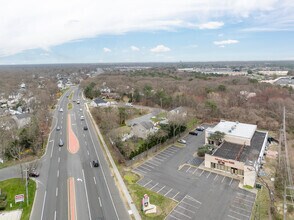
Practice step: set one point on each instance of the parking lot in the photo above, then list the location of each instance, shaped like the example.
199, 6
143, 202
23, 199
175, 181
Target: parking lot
201, 194
156, 161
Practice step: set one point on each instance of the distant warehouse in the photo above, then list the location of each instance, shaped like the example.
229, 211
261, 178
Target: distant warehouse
240, 152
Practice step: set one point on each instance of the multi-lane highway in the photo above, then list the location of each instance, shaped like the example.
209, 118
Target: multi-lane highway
69, 187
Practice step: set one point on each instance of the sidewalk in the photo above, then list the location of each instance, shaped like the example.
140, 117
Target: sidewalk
116, 172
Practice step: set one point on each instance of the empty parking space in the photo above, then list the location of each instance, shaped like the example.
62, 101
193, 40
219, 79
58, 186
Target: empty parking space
162, 189
241, 206
156, 161
186, 209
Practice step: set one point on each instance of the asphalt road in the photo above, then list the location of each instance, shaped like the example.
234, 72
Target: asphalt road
94, 193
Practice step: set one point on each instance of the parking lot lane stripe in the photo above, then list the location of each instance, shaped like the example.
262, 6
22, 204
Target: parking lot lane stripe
231, 181
239, 213
215, 177
151, 164
188, 169
241, 208
167, 154
147, 183
171, 151
175, 195
189, 204
145, 164
155, 158
247, 195
174, 217
234, 217
201, 172
144, 168
160, 189
182, 214
244, 199
161, 157
195, 170
208, 175
139, 171
186, 209
192, 199
168, 192
153, 186
154, 162
223, 179
239, 202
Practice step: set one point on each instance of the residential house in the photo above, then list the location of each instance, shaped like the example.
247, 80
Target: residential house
22, 119
143, 129
179, 111
98, 102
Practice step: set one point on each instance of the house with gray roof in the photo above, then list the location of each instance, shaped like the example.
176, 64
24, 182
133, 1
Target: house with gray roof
143, 129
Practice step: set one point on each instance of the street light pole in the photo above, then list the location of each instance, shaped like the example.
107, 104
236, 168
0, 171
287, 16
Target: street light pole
27, 187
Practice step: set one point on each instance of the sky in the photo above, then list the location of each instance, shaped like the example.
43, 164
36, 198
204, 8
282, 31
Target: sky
106, 31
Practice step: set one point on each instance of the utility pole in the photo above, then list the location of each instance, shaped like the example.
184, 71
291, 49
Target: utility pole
27, 191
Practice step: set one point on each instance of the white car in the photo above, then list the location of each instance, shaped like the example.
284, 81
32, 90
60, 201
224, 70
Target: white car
182, 141
61, 110
82, 118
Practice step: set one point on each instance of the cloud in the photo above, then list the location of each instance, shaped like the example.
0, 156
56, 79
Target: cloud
106, 50
134, 48
160, 49
225, 42
35, 24
211, 25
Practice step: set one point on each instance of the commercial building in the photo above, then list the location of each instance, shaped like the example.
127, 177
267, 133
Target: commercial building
240, 151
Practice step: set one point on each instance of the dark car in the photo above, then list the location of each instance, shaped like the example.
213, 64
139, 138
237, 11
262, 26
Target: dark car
193, 133
33, 174
200, 128
57, 128
85, 128
95, 163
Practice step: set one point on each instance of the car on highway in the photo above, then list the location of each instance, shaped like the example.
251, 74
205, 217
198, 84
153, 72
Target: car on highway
78, 101
34, 173
61, 109
60, 143
182, 141
57, 128
95, 163
85, 128
82, 118
193, 133
81, 109
200, 128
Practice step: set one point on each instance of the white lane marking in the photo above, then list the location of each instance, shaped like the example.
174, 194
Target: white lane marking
94, 180
51, 141
175, 195
201, 172
166, 154
195, 171
246, 200
182, 214
88, 152
190, 205
43, 205
61, 133
147, 183
57, 173
208, 175
90, 164
174, 217
59, 148
100, 202
215, 177
160, 189
154, 162
186, 209
150, 164
52, 150
223, 179
231, 181
239, 213
144, 168
192, 199
55, 215
160, 160
161, 157
58, 159
151, 167
90, 217
168, 192
188, 169
234, 217
56, 191
138, 170
153, 186
247, 195
85, 142
237, 207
